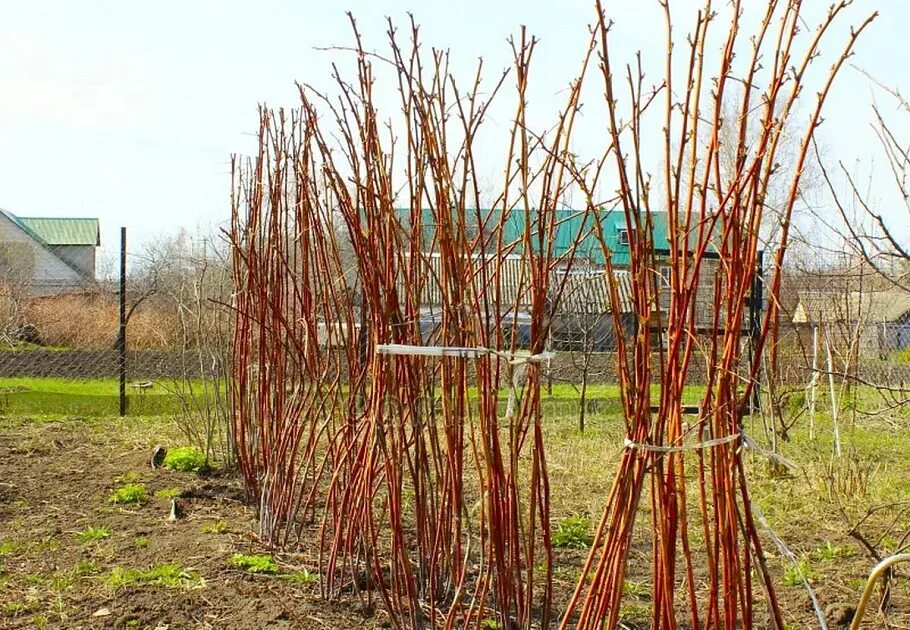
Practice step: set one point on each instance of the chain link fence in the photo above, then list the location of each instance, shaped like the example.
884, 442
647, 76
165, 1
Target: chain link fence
863, 336
59, 350
59, 343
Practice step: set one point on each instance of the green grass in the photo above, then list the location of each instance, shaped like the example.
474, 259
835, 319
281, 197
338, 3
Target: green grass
13, 608
256, 563
573, 533
303, 577
93, 534
24, 346
186, 459
50, 396
795, 573
47, 396
168, 575
131, 493
832, 553
85, 567
218, 527
168, 493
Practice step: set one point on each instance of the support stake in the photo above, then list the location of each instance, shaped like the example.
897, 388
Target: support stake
121, 338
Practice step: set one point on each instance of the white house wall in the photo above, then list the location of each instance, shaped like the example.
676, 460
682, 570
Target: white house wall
50, 275
80, 256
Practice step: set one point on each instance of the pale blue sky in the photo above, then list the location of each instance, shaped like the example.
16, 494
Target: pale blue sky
129, 110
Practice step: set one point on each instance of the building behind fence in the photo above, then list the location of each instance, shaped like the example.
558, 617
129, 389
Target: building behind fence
59, 322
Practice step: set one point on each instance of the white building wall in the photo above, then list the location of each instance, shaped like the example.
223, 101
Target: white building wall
80, 256
26, 262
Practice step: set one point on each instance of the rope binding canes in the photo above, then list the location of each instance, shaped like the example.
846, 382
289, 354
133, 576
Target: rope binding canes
462, 352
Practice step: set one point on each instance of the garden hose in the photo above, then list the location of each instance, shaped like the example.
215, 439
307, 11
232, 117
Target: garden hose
877, 572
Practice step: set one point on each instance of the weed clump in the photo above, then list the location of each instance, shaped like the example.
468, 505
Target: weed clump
85, 567
167, 575
93, 533
795, 574
304, 577
831, 553
130, 476
131, 493
13, 608
168, 493
255, 563
186, 459
573, 533
218, 527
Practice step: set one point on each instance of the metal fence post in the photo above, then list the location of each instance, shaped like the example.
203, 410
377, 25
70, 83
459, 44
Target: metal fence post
121, 340
756, 306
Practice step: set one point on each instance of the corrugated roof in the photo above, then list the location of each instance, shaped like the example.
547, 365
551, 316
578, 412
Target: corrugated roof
871, 306
64, 231
17, 221
587, 292
890, 306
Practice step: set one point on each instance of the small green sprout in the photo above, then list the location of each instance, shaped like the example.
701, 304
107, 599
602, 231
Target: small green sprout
93, 533
218, 527
186, 459
573, 533
304, 577
254, 563
134, 493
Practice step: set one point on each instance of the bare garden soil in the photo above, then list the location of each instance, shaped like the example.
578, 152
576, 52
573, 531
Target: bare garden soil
55, 482
70, 558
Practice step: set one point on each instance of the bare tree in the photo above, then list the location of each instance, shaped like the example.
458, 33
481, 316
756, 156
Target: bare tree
185, 279
872, 235
584, 327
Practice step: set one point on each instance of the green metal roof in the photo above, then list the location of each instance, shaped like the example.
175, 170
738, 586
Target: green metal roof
572, 225
64, 231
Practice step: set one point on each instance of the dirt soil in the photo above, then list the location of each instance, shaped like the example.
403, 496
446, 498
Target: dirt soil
55, 481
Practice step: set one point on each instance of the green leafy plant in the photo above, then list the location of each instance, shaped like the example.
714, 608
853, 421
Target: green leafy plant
168, 493
218, 527
303, 577
490, 624
84, 567
93, 533
134, 493
60, 581
637, 590
13, 608
830, 553
167, 575
142, 542
186, 459
795, 573
573, 533
254, 563
130, 476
